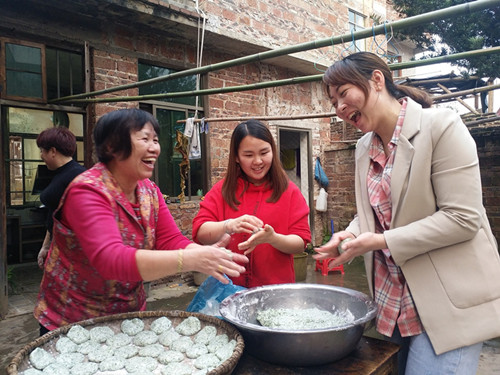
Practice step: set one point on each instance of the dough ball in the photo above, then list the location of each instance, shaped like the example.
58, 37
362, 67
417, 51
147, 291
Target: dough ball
132, 326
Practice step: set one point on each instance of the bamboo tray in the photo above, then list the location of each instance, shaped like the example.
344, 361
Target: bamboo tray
21, 361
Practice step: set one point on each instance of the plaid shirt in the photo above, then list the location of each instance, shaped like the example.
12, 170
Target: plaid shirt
393, 298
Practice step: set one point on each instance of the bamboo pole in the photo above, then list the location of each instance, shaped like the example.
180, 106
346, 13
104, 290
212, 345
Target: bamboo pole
283, 82
439, 98
362, 34
465, 92
483, 121
445, 89
417, 82
263, 118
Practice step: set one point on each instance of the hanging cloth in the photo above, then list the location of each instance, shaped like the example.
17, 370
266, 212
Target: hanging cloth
192, 131
288, 158
203, 126
320, 175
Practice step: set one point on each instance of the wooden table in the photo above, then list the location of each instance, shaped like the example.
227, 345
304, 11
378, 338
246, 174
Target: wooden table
371, 356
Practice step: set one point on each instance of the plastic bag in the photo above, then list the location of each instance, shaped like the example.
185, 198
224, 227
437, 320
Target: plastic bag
320, 175
321, 202
210, 294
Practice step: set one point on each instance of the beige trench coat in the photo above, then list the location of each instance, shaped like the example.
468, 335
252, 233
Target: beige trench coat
439, 235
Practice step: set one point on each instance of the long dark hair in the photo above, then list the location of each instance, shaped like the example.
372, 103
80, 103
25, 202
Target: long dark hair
112, 132
277, 177
357, 69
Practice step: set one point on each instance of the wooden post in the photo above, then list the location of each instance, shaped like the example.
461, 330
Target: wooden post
445, 89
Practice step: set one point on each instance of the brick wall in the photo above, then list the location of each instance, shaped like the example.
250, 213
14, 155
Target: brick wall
488, 145
272, 22
286, 100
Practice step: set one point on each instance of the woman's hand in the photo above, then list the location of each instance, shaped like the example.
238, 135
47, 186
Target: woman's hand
215, 261
355, 247
42, 255
244, 224
330, 249
263, 235
44, 250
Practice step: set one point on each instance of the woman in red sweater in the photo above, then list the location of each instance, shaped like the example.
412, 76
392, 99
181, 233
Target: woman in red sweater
111, 228
265, 213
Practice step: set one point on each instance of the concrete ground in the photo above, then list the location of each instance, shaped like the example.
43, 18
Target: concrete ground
20, 328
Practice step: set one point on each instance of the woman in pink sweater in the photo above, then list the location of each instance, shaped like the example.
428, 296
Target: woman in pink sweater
109, 223
265, 213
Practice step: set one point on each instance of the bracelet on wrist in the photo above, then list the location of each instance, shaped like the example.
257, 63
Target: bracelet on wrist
180, 261
224, 227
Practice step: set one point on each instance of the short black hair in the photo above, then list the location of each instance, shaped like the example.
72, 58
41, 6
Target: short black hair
112, 132
61, 138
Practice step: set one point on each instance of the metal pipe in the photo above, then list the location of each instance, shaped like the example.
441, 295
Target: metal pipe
362, 34
277, 83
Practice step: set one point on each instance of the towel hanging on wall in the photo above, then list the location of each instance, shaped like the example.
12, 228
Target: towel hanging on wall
320, 175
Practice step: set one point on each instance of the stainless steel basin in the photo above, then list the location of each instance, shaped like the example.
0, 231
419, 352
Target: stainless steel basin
299, 347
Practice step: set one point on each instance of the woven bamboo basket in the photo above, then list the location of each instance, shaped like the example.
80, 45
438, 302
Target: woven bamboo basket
21, 361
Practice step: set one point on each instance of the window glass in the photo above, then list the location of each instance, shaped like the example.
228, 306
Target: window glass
167, 173
23, 159
176, 85
168, 165
24, 84
64, 73
30, 69
76, 124
23, 58
31, 150
79, 152
16, 170
356, 23
30, 169
31, 121
23, 70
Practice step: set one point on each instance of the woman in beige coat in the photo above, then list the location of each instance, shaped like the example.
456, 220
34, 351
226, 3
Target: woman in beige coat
432, 261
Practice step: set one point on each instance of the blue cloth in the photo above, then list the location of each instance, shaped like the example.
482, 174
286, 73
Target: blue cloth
210, 294
320, 175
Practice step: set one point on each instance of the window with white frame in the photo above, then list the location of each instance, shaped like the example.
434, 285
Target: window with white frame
356, 23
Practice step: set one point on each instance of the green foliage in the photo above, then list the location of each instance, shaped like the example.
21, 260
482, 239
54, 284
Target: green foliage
468, 32
309, 248
326, 234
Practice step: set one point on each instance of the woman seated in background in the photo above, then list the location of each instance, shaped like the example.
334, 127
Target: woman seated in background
265, 213
57, 147
110, 226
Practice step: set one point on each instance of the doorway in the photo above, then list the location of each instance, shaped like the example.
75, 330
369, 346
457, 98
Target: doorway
295, 150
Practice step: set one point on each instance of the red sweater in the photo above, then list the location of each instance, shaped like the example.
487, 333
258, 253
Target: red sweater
91, 269
289, 215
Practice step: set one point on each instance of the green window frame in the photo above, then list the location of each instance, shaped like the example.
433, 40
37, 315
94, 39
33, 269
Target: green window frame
168, 112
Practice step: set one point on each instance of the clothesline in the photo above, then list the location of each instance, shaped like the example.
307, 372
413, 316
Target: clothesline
263, 118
